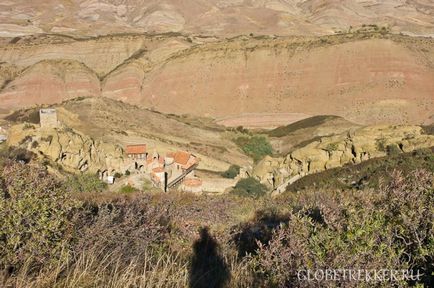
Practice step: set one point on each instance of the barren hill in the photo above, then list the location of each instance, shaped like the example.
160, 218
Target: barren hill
212, 17
365, 77
299, 134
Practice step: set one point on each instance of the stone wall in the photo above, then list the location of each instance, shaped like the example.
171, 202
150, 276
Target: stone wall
217, 185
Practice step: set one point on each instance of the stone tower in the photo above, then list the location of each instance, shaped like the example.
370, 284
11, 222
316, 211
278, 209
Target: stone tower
48, 118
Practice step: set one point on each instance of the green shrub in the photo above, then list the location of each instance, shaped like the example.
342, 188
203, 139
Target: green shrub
85, 183
127, 189
249, 187
34, 217
232, 172
255, 146
332, 147
381, 145
392, 150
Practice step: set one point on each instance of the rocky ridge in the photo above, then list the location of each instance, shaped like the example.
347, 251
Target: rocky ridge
351, 147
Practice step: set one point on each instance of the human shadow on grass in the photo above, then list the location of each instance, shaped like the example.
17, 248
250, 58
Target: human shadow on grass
208, 268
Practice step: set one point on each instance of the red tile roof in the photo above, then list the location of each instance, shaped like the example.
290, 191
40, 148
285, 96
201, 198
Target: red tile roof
181, 157
136, 149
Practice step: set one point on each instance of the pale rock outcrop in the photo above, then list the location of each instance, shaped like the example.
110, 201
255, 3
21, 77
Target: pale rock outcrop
73, 151
335, 151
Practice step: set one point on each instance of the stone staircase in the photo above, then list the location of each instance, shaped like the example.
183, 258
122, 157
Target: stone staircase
181, 177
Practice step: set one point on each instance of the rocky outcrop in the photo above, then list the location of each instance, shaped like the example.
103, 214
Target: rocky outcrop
73, 151
335, 151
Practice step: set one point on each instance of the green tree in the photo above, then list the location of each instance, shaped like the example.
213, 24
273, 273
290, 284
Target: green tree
256, 146
232, 172
250, 187
85, 183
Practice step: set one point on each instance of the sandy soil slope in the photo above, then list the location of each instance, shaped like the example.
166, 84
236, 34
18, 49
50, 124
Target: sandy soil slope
261, 120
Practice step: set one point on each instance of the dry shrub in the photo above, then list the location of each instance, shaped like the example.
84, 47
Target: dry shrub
391, 228
247, 236
124, 227
136, 240
35, 217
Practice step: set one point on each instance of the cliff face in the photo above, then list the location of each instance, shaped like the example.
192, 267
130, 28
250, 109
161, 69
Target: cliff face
368, 81
49, 82
347, 148
101, 55
365, 78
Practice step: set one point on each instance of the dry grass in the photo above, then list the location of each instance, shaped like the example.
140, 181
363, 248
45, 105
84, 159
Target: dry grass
92, 270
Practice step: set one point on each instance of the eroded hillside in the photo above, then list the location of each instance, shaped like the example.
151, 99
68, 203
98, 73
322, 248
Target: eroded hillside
216, 17
367, 78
